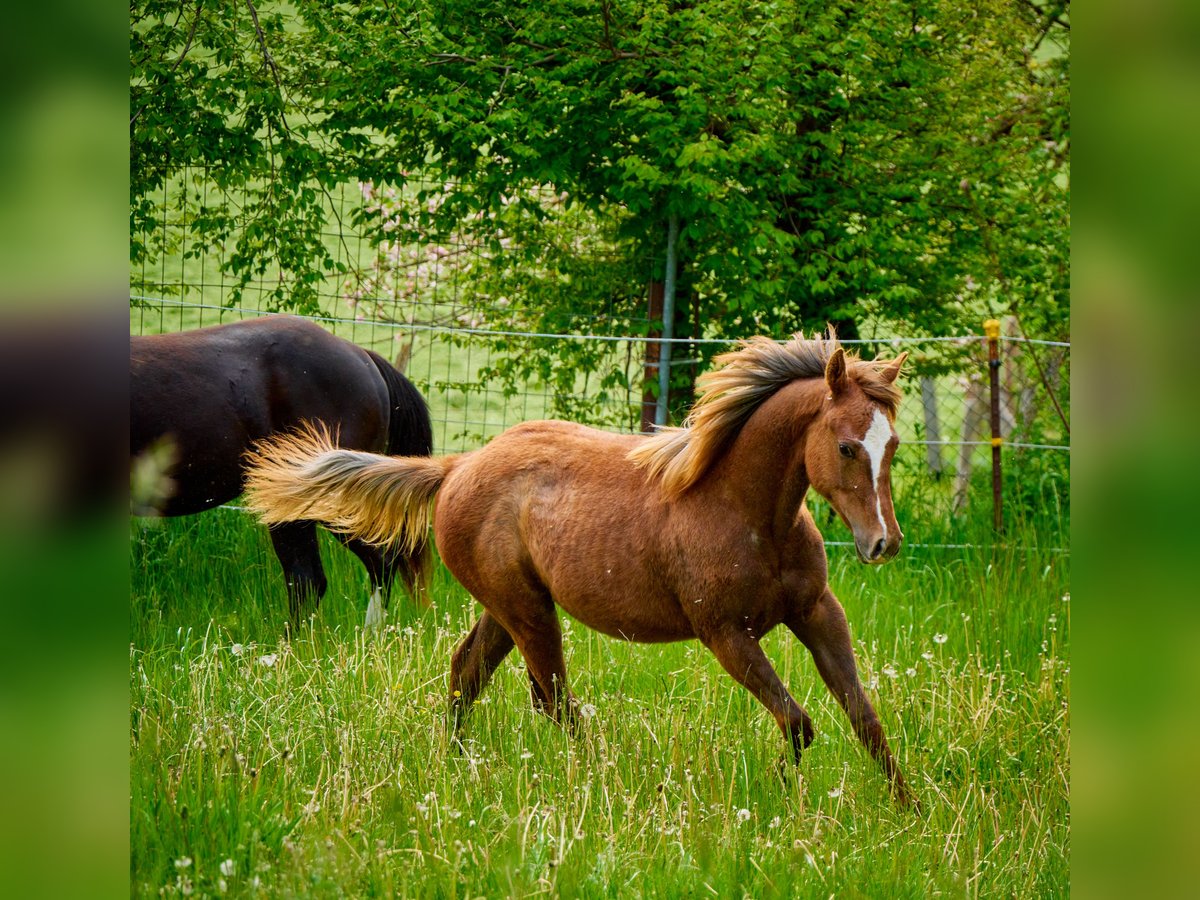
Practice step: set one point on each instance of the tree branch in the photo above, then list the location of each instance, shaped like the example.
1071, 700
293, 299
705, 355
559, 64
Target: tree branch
262, 43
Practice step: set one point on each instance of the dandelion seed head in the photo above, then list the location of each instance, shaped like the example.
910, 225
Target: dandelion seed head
940, 638
743, 815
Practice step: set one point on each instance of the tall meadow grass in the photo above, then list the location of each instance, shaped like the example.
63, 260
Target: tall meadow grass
321, 765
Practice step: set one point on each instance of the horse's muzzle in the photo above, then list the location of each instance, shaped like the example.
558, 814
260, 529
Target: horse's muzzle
875, 549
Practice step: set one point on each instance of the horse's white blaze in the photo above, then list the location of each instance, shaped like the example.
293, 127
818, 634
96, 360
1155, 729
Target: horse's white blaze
374, 611
875, 443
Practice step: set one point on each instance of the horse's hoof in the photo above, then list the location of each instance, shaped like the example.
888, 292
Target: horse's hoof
785, 767
905, 799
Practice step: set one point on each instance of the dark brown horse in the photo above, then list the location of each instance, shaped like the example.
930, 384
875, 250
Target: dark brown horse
699, 532
213, 392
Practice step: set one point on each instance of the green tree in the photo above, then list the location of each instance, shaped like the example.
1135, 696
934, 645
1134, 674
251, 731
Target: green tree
898, 164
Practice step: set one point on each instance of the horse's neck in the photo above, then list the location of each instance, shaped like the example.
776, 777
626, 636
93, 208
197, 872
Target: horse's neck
764, 468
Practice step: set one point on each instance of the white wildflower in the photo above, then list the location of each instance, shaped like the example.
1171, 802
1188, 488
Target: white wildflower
237, 649
227, 868
743, 815
940, 638
587, 710
183, 862
268, 659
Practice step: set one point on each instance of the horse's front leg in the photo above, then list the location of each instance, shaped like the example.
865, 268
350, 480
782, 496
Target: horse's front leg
743, 658
827, 636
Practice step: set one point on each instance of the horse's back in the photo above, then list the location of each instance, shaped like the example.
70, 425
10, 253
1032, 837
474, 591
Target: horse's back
556, 508
213, 391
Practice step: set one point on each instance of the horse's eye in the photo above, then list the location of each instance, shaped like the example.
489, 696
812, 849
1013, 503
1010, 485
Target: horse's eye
846, 450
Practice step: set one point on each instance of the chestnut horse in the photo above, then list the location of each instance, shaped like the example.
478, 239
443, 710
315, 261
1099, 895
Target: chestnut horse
211, 392
698, 532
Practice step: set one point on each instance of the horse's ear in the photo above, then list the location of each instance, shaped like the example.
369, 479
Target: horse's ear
835, 371
889, 372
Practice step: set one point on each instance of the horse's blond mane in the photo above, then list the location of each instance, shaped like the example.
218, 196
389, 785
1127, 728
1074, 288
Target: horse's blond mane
729, 395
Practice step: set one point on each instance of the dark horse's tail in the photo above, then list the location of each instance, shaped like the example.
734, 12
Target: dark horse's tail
410, 433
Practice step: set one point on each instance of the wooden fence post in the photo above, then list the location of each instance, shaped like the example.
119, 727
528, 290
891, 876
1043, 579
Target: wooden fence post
654, 313
992, 329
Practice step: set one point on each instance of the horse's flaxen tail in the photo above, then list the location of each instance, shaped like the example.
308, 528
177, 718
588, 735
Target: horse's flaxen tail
383, 500
410, 433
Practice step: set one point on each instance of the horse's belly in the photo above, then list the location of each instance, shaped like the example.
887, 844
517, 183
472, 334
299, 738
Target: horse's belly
623, 611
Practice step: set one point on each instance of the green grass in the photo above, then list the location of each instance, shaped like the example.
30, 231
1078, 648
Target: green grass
322, 767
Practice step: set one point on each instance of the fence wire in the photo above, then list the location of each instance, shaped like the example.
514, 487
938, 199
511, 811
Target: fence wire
487, 345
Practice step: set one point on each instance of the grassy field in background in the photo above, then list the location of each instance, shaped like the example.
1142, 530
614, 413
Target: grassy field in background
321, 765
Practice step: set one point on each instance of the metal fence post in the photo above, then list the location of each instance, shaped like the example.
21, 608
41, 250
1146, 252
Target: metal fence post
933, 426
992, 329
668, 329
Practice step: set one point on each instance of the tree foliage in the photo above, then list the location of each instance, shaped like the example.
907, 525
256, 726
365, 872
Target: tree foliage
904, 163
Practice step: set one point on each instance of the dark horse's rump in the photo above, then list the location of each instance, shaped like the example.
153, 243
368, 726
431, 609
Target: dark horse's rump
214, 391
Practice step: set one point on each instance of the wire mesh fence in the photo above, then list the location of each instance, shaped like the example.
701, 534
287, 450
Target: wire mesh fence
493, 345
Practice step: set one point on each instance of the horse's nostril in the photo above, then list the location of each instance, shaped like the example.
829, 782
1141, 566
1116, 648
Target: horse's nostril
877, 550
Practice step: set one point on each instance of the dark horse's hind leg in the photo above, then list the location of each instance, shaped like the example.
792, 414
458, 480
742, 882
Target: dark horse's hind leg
383, 565
381, 571
473, 664
296, 546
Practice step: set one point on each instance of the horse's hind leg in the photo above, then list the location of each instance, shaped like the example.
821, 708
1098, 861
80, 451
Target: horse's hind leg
527, 613
381, 568
299, 554
539, 638
412, 568
742, 657
827, 636
473, 664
